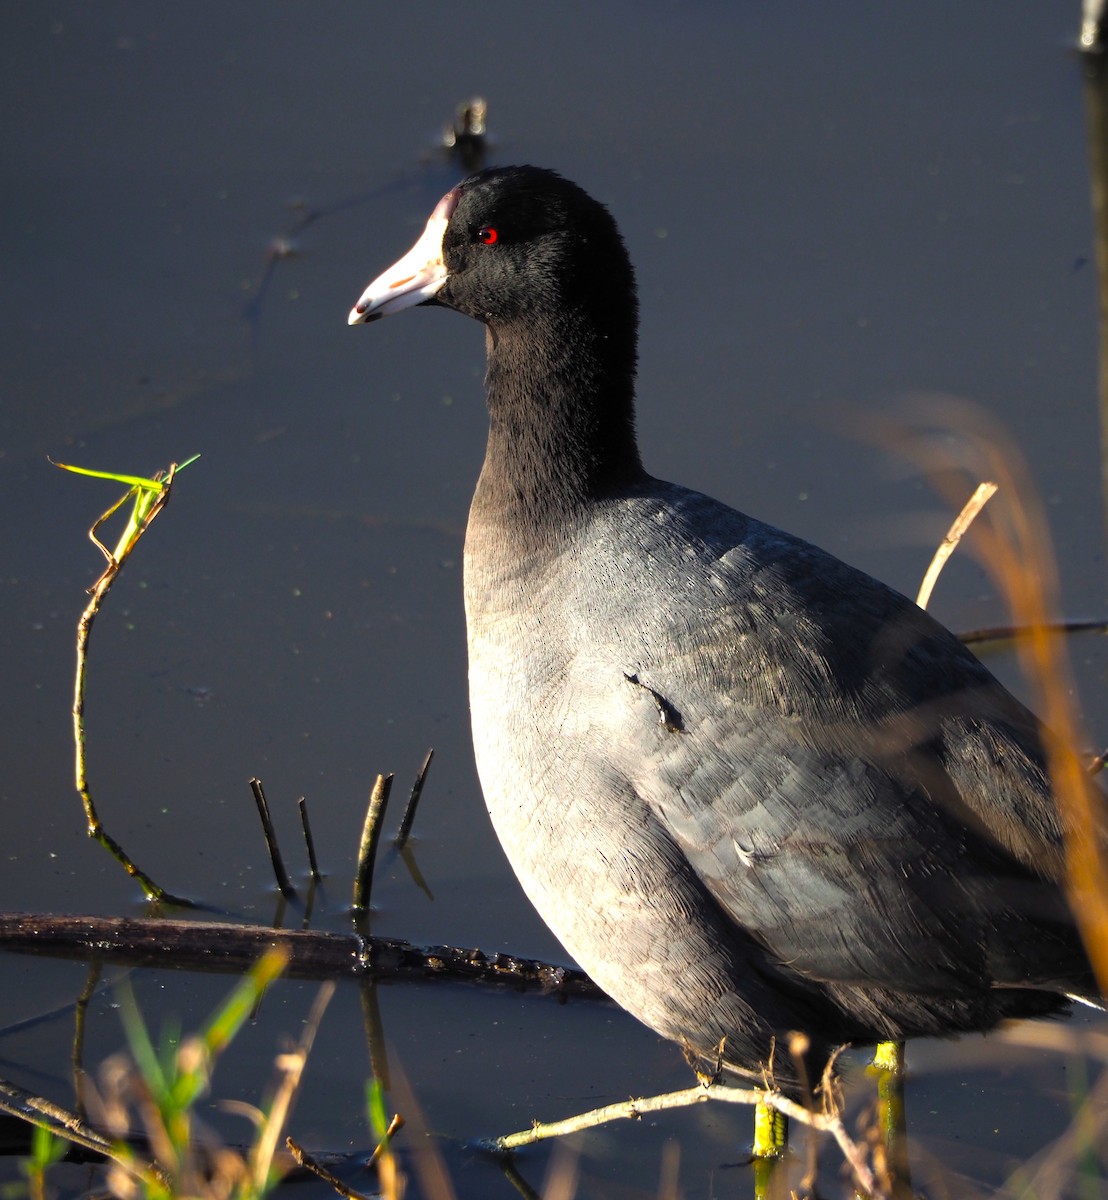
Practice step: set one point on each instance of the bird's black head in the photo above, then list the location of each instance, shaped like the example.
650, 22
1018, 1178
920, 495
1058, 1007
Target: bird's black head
512, 243
523, 241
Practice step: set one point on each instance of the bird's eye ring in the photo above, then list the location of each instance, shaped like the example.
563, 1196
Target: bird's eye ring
488, 235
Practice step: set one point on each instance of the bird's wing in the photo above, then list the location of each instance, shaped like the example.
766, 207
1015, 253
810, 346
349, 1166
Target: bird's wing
850, 784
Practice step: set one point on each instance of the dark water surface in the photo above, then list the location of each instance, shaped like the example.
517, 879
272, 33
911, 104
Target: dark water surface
833, 209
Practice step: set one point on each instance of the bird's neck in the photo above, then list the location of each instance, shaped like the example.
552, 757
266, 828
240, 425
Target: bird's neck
561, 423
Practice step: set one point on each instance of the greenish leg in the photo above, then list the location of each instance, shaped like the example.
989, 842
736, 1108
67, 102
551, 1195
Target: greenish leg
771, 1132
771, 1136
888, 1066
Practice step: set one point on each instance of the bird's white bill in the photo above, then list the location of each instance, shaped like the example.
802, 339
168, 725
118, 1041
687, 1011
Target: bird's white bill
414, 278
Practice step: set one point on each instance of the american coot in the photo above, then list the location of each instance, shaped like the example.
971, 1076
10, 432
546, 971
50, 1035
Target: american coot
751, 789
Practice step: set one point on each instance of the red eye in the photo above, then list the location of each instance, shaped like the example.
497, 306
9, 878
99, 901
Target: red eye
488, 235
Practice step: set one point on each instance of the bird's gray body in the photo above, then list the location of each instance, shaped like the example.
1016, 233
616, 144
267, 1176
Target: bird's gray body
658, 737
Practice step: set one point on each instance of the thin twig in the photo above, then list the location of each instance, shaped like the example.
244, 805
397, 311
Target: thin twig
981, 496
371, 837
284, 884
636, 1108
45, 1114
305, 1160
1009, 633
146, 509
395, 1126
413, 801
309, 841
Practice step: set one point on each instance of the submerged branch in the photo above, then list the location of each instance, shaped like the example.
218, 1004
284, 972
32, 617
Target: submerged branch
223, 947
